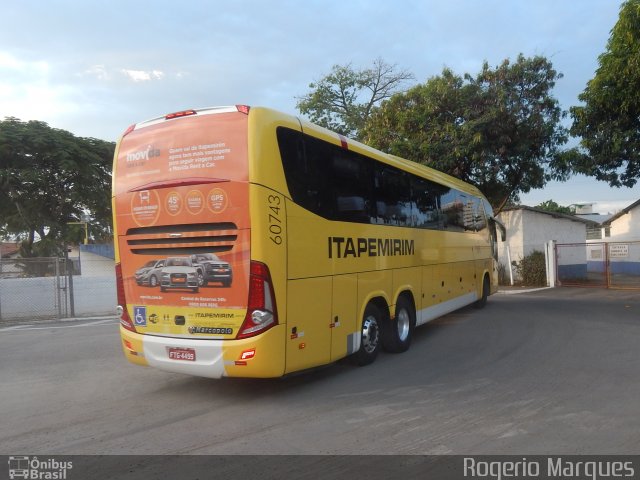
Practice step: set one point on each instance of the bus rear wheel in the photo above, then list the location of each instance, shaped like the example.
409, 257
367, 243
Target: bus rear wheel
399, 331
370, 336
482, 301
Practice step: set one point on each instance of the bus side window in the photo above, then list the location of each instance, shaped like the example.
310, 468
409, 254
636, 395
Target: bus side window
452, 210
425, 211
393, 197
472, 213
300, 160
479, 217
350, 186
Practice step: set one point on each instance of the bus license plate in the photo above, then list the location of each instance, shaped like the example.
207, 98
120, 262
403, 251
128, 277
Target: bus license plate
188, 354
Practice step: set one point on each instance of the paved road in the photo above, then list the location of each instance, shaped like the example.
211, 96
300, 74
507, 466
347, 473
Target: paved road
555, 371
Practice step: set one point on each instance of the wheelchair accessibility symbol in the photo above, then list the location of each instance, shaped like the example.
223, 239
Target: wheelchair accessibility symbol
140, 316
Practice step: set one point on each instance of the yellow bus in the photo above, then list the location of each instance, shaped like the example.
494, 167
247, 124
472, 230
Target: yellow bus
250, 243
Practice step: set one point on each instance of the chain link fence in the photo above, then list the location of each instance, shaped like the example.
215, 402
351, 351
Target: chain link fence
50, 288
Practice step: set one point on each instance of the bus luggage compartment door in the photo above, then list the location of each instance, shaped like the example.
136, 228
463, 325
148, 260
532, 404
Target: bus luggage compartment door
308, 323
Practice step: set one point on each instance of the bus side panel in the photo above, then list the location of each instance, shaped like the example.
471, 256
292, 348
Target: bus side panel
344, 316
408, 279
483, 266
429, 293
307, 244
484, 262
308, 323
371, 285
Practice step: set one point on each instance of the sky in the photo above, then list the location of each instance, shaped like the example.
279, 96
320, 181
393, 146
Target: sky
95, 67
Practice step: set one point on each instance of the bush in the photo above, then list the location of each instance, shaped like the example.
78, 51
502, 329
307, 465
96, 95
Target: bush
532, 269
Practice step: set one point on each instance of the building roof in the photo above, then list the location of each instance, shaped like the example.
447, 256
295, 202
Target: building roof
622, 212
8, 248
596, 217
565, 216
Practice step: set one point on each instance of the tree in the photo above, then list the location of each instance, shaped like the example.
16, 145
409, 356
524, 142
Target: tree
609, 120
49, 177
499, 130
551, 206
343, 100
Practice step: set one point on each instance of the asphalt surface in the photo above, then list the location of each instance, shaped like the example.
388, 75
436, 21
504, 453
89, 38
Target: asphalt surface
549, 372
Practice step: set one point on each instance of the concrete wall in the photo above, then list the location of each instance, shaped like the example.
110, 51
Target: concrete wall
513, 222
104, 250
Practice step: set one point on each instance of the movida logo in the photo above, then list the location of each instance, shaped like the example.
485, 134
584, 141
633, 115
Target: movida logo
142, 156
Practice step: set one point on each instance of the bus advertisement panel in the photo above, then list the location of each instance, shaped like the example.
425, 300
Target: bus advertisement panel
181, 210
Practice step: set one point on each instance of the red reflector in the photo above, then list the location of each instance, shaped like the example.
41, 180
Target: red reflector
129, 130
247, 354
243, 109
183, 113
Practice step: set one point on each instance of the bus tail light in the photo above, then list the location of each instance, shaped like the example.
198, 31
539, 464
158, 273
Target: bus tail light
129, 130
243, 109
183, 113
125, 320
261, 305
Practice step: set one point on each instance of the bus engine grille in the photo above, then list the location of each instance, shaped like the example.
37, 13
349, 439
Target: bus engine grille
183, 239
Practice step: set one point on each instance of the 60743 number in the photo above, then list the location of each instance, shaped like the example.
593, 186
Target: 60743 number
275, 221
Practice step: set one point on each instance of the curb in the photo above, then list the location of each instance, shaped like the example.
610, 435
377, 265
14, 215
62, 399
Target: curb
514, 292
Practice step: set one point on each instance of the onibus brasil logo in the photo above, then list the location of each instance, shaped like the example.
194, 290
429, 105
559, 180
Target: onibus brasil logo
34, 468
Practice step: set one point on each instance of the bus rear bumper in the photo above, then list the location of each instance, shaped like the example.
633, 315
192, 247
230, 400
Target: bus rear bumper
261, 356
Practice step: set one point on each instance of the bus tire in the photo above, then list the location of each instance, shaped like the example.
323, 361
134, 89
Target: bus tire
370, 336
399, 331
482, 301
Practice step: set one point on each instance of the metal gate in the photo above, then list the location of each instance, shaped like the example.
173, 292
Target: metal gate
603, 264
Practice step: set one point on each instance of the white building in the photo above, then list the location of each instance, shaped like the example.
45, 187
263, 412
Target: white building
529, 229
625, 225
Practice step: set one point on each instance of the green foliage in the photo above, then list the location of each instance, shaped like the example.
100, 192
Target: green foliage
499, 130
532, 269
49, 177
609, 120
343, 100
551, 206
